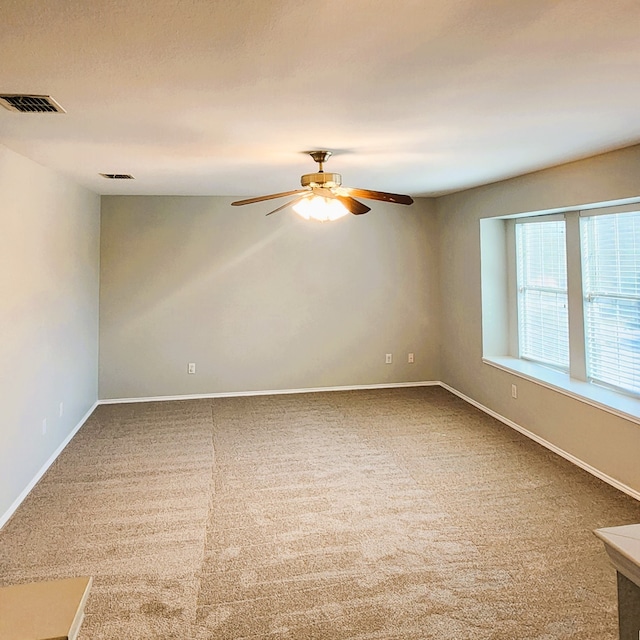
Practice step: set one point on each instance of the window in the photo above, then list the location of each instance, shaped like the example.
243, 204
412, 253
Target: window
543, 325
611, 282
561, 302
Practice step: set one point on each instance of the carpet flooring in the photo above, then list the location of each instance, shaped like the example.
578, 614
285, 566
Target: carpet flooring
386, 514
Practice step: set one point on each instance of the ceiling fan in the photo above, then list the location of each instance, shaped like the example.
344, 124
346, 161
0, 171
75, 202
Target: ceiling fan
324, 198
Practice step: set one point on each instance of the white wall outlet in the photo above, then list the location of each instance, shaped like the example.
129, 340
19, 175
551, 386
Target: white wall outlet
61, 409
44, 426
191, 368
388, 359
514, 391
410, 359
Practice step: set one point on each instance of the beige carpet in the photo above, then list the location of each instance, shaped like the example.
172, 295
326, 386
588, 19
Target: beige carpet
383, 514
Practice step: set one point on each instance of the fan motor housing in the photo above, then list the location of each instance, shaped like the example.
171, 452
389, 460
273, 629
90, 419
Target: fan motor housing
321, 179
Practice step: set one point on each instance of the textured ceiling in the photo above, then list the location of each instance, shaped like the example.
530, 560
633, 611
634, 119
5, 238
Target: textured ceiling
219, 97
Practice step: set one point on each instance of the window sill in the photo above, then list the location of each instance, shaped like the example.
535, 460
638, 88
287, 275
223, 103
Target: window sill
618, 404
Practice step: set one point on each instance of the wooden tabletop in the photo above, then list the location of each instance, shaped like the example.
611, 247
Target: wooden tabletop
43, 610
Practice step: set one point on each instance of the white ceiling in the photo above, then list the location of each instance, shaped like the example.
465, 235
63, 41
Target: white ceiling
219, 97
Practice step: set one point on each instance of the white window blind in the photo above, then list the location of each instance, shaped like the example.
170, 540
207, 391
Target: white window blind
611, 285
543, 323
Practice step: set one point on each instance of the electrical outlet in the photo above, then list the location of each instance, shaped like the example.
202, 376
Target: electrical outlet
191, 368
514, 391
410, 359
61, 409
388, 359
44, 426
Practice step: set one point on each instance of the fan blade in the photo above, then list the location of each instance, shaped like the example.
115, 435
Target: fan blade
271, 197
352, 205
379, 195
290, 203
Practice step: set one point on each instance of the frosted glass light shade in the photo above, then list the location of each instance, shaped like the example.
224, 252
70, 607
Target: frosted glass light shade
320, 208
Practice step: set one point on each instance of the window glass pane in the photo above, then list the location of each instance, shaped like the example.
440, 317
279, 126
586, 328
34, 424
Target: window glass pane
543, 323
611, 281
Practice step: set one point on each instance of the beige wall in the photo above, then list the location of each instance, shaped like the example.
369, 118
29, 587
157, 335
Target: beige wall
49, 246
608, 443
263, 303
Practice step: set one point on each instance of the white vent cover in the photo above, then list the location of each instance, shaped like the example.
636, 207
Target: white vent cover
117, 176
30, 104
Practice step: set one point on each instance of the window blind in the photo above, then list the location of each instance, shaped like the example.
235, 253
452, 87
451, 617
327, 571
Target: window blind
611, 285
543, 323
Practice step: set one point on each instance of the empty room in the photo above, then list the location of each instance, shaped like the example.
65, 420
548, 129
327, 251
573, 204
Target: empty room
320, 320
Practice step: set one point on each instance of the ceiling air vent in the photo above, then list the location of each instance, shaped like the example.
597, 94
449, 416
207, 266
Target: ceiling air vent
30, 104
117, 176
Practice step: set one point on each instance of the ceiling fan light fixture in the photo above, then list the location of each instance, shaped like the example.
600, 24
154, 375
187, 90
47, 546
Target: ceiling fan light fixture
323, 197
319, 208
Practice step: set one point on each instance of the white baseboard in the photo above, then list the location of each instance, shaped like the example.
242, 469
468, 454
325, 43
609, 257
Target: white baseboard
548, 445
4, 518
272, 392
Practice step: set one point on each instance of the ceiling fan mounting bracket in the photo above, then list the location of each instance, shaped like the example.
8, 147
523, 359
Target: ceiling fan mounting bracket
320, 156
